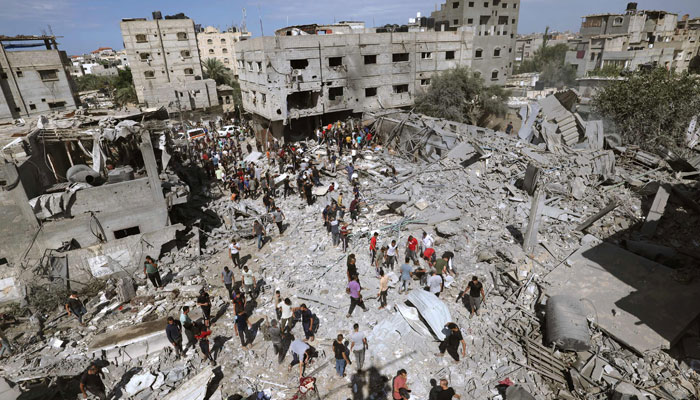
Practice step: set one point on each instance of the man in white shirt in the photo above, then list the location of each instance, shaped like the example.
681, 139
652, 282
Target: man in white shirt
234, 250
435, 283
392, 254
426, 243
248, 281
358, 345
286, 317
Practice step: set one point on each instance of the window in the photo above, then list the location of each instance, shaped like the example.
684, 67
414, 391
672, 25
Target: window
57, 104
185, 53
49, 74
263, 98
122, 233
494, 75
592, 56
144, 56
141, 39
299, 64
486, 4
497, 52
370, 92
370, 59
504, 5
250, 66
484, 19
471, 4
224, 50
425, 82
32, 106
189, 71
515, 5
182, 36
149, 74
512, 21
401, 88
618, 21
335, 93
225, 60
335, 61
455, 5
426, 55
503, 20
223, 41
209, 41
470, 21
3, 75
478, 53
259, 65
211, 51
450, 55
399, 57
455, 22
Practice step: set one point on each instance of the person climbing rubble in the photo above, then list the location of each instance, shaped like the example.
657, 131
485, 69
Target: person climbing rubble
188, 327
452, 341
76, 307
173, 330
234, 253
354, 290
476, 295
150, 270
204, 301
91, 382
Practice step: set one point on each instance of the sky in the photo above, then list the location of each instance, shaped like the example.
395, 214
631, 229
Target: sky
89, 24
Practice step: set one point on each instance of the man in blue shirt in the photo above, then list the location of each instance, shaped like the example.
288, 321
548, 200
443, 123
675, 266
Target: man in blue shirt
174, 333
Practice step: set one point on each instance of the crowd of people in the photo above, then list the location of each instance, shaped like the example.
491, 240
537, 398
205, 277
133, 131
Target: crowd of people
225, 162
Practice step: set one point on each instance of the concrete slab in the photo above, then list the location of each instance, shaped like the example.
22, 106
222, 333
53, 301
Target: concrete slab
131, 342
193, 389
636, 300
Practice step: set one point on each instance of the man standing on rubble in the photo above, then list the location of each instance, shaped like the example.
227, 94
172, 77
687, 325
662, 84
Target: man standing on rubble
383, 288
234, 253
358, 345
373, 246
242, 329
188, 326
75, 306
204, 302
228, 279
259, 232
406, 275
392, 254
411, 247
308, 322
354, 290
341, 356
476, 295
452, 342
286, 315
435, 283
445, 392
174, 333
150, 269
426, 242
91, 382
279, 218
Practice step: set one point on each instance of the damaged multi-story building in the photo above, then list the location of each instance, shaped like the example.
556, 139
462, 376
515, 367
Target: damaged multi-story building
633, 39
495, 24
219, 45
83, 203
305, 76
34, 81
165, 63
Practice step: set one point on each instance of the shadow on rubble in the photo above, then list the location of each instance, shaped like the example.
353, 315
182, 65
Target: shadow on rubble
117, 390
214, 382
370, 383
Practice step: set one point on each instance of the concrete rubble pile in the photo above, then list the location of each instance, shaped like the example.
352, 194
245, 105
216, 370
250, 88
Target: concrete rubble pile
527, 219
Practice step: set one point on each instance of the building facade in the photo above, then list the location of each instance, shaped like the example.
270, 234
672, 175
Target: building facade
34, 81
165, 63
294, 82
495, 23
219, 45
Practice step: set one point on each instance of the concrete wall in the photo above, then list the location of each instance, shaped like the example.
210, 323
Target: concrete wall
26, 92
220, 46
268, 78
496, 26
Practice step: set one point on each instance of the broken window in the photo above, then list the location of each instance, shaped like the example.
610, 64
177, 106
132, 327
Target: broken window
141, 38
450, 55
618, 21
48, 74
209, 41
425, 82
335, 61
335, 93
299, 64
455, 5
149, 74
478, 53
426, 55
182, 36
370, 92
224, 50
144, 56
515, 5
399, 57
504, 5
503, 20
401, 88
211, 51
223, 41
497, 52
372, 59
32, 106
263, 98
185, 53
259, 65
189, 71
494, 75
302, 100
122, 233
57, 104
19, 73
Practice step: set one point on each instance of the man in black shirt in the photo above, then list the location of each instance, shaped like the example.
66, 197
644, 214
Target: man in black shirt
204, 302
242, 331
75, 306
446, 392
452, 341
174, 333
308, 322
476, 295
341, 356
91, 382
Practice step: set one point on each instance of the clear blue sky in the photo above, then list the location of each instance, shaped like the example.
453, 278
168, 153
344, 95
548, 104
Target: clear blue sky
86, 25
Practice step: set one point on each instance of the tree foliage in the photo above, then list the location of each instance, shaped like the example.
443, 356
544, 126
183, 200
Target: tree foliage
694, 66
460, 95
651, 109
120, 86
608, 70
215, 69
544, 55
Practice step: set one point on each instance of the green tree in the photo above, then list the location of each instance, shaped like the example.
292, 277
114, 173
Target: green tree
608, 70
544, 55
462, 96
120, 86
557, 75
694, 66
215, 69
651, 109
92, 82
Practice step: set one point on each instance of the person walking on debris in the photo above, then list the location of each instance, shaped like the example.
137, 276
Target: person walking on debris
509, 128
308, 186
354, 290
259, 232
308, 321
344, 232
444, 392
380, 259
174, 333
91, 381
449, 256
287, 187
426, 242
188, 326
279, 219
302, 354
242, 329
75, 306
335, 231
373, 246
429, 256
150, 269
228, 279
452, 341
351, 267
406, 275
392, 253
204, 302
204, 347
358, 345
248, 282
286, 315
274, 334
440, 266
476, 295
383, 288
399, 386
435, 283
354, 208
411, 247
234, 253
341, 356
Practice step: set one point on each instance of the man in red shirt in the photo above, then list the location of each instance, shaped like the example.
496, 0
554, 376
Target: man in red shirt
429, 256
373, 246
398, 384
411, 247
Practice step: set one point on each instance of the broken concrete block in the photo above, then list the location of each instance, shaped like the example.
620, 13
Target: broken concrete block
139, 382
125, 290
656, 211
447, 229
536, 209
532, 174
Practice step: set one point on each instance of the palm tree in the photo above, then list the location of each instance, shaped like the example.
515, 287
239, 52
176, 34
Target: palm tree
214, 69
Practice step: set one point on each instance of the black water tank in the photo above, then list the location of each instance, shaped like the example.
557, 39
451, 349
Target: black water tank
631, 6
157, 15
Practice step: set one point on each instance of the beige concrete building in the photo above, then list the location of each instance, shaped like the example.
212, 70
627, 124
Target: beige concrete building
34, 81
219, 45
297, 80
165, 63
496, 25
